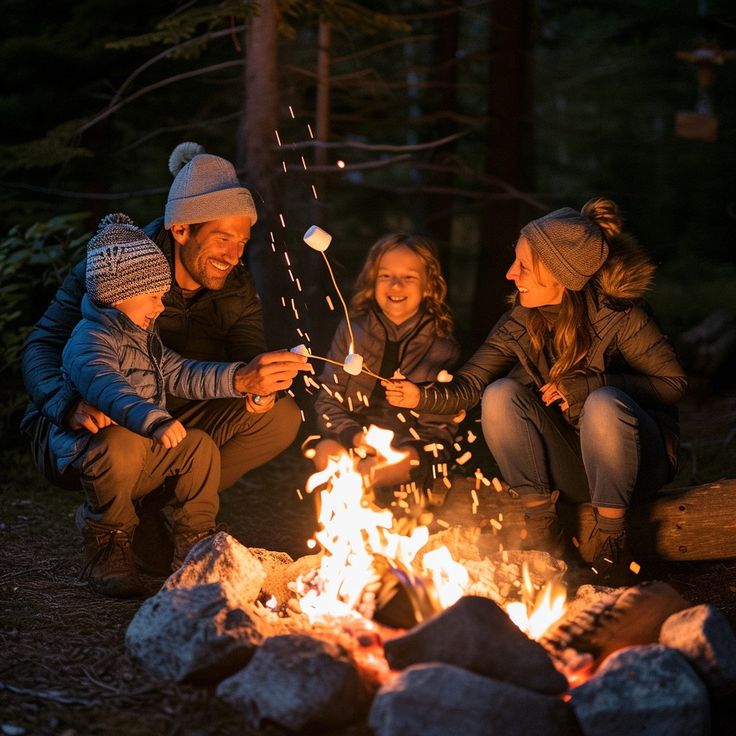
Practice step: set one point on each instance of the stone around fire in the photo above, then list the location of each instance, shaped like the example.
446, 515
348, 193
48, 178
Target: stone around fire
477, 635
639, 690
703, 634
439, 700
295, 680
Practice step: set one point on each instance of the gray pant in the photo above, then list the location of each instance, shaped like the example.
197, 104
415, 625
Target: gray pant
224, 441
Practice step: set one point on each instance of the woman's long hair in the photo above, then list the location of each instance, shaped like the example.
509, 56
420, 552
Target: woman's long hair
434, 303
572, 336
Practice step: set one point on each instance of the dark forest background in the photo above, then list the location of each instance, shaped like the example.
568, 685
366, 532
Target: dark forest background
460, 119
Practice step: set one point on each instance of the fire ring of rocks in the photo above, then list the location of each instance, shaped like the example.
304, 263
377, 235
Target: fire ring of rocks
618, 661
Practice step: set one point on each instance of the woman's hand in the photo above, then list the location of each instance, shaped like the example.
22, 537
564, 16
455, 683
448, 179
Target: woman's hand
401, 393
551, 395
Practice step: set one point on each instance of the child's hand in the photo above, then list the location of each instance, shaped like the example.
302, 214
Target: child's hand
170, 433
401, 393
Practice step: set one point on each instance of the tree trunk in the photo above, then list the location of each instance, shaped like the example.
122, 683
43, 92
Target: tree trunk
256, 159
502, 217
439, 207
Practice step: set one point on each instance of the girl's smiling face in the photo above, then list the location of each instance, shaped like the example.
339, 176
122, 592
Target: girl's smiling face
401, 284
537, 287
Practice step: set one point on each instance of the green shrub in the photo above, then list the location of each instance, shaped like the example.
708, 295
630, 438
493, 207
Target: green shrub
33, 263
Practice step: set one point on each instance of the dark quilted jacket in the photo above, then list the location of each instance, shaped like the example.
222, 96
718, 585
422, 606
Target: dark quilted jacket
628, 352
422, 355
224, 325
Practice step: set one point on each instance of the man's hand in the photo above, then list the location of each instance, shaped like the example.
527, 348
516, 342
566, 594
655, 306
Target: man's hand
85, 416
260, 404
270, 372
401, 393
170, 433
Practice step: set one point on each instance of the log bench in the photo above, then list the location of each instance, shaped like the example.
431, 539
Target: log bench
693, 523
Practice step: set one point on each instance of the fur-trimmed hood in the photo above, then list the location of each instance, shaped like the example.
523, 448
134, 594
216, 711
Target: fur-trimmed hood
627, 273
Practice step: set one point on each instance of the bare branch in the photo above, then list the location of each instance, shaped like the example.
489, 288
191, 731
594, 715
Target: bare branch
376, 146
383, 46
157, 85
173, 128
167, 53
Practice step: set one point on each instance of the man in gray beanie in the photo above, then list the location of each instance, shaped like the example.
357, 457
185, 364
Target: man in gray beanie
212, 312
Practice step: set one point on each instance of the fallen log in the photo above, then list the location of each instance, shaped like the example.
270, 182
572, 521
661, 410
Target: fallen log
692, 523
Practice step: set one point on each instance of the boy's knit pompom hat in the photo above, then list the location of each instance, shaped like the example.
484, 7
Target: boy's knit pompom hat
570, 245
122, 261
205, 188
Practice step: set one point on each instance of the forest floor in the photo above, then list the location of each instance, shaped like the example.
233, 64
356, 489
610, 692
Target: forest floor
64, 668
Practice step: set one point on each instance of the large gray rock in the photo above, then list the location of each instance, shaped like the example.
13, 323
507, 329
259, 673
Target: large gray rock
441, 700
703, 634
295, 680
477, 635
221, 559
639, 690
196, 634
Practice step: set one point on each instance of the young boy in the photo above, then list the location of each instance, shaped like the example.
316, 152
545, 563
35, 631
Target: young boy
115, 360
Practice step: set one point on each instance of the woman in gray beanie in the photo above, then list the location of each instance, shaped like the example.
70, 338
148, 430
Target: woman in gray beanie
578, 384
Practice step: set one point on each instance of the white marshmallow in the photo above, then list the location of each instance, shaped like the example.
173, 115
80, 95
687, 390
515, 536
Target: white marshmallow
300, 349
353, 364
317, 238
444, 377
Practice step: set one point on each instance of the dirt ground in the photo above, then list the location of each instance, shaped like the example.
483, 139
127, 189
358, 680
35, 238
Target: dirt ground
64, 669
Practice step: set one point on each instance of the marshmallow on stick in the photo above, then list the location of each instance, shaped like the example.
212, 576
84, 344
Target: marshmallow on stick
319, 240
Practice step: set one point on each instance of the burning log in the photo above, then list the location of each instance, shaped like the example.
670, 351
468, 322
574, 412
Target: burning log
600, 621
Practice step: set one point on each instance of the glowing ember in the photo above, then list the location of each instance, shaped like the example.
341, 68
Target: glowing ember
537, 611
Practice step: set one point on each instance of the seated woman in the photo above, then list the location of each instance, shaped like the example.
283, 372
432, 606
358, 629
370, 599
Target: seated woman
401, 326
578, 382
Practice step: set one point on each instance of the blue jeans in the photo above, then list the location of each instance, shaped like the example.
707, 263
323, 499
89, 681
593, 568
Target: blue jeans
616, 451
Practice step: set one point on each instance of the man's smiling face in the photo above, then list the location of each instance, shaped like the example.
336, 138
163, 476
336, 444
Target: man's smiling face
210, 252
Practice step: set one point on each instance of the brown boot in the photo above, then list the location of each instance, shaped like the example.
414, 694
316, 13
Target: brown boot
109, 565
184, 539
609, 557
542, 529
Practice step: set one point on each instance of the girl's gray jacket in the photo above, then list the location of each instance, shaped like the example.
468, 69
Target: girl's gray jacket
125, 371
341, 411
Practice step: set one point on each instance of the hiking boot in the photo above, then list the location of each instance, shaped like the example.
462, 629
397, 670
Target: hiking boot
542, 528
609, 558
109, 566
184, 539
153, 542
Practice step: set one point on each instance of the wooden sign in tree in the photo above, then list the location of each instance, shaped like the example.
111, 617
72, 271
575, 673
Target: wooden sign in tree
702, 123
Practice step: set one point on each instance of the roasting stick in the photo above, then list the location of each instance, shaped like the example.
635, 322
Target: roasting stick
342, 365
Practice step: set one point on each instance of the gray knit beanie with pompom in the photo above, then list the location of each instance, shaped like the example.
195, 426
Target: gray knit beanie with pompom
122, 261
570, 245
205, 188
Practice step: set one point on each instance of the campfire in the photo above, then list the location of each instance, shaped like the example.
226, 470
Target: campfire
389, 620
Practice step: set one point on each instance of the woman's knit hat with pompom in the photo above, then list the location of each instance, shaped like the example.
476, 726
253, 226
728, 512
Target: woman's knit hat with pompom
122, 261
205, 188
